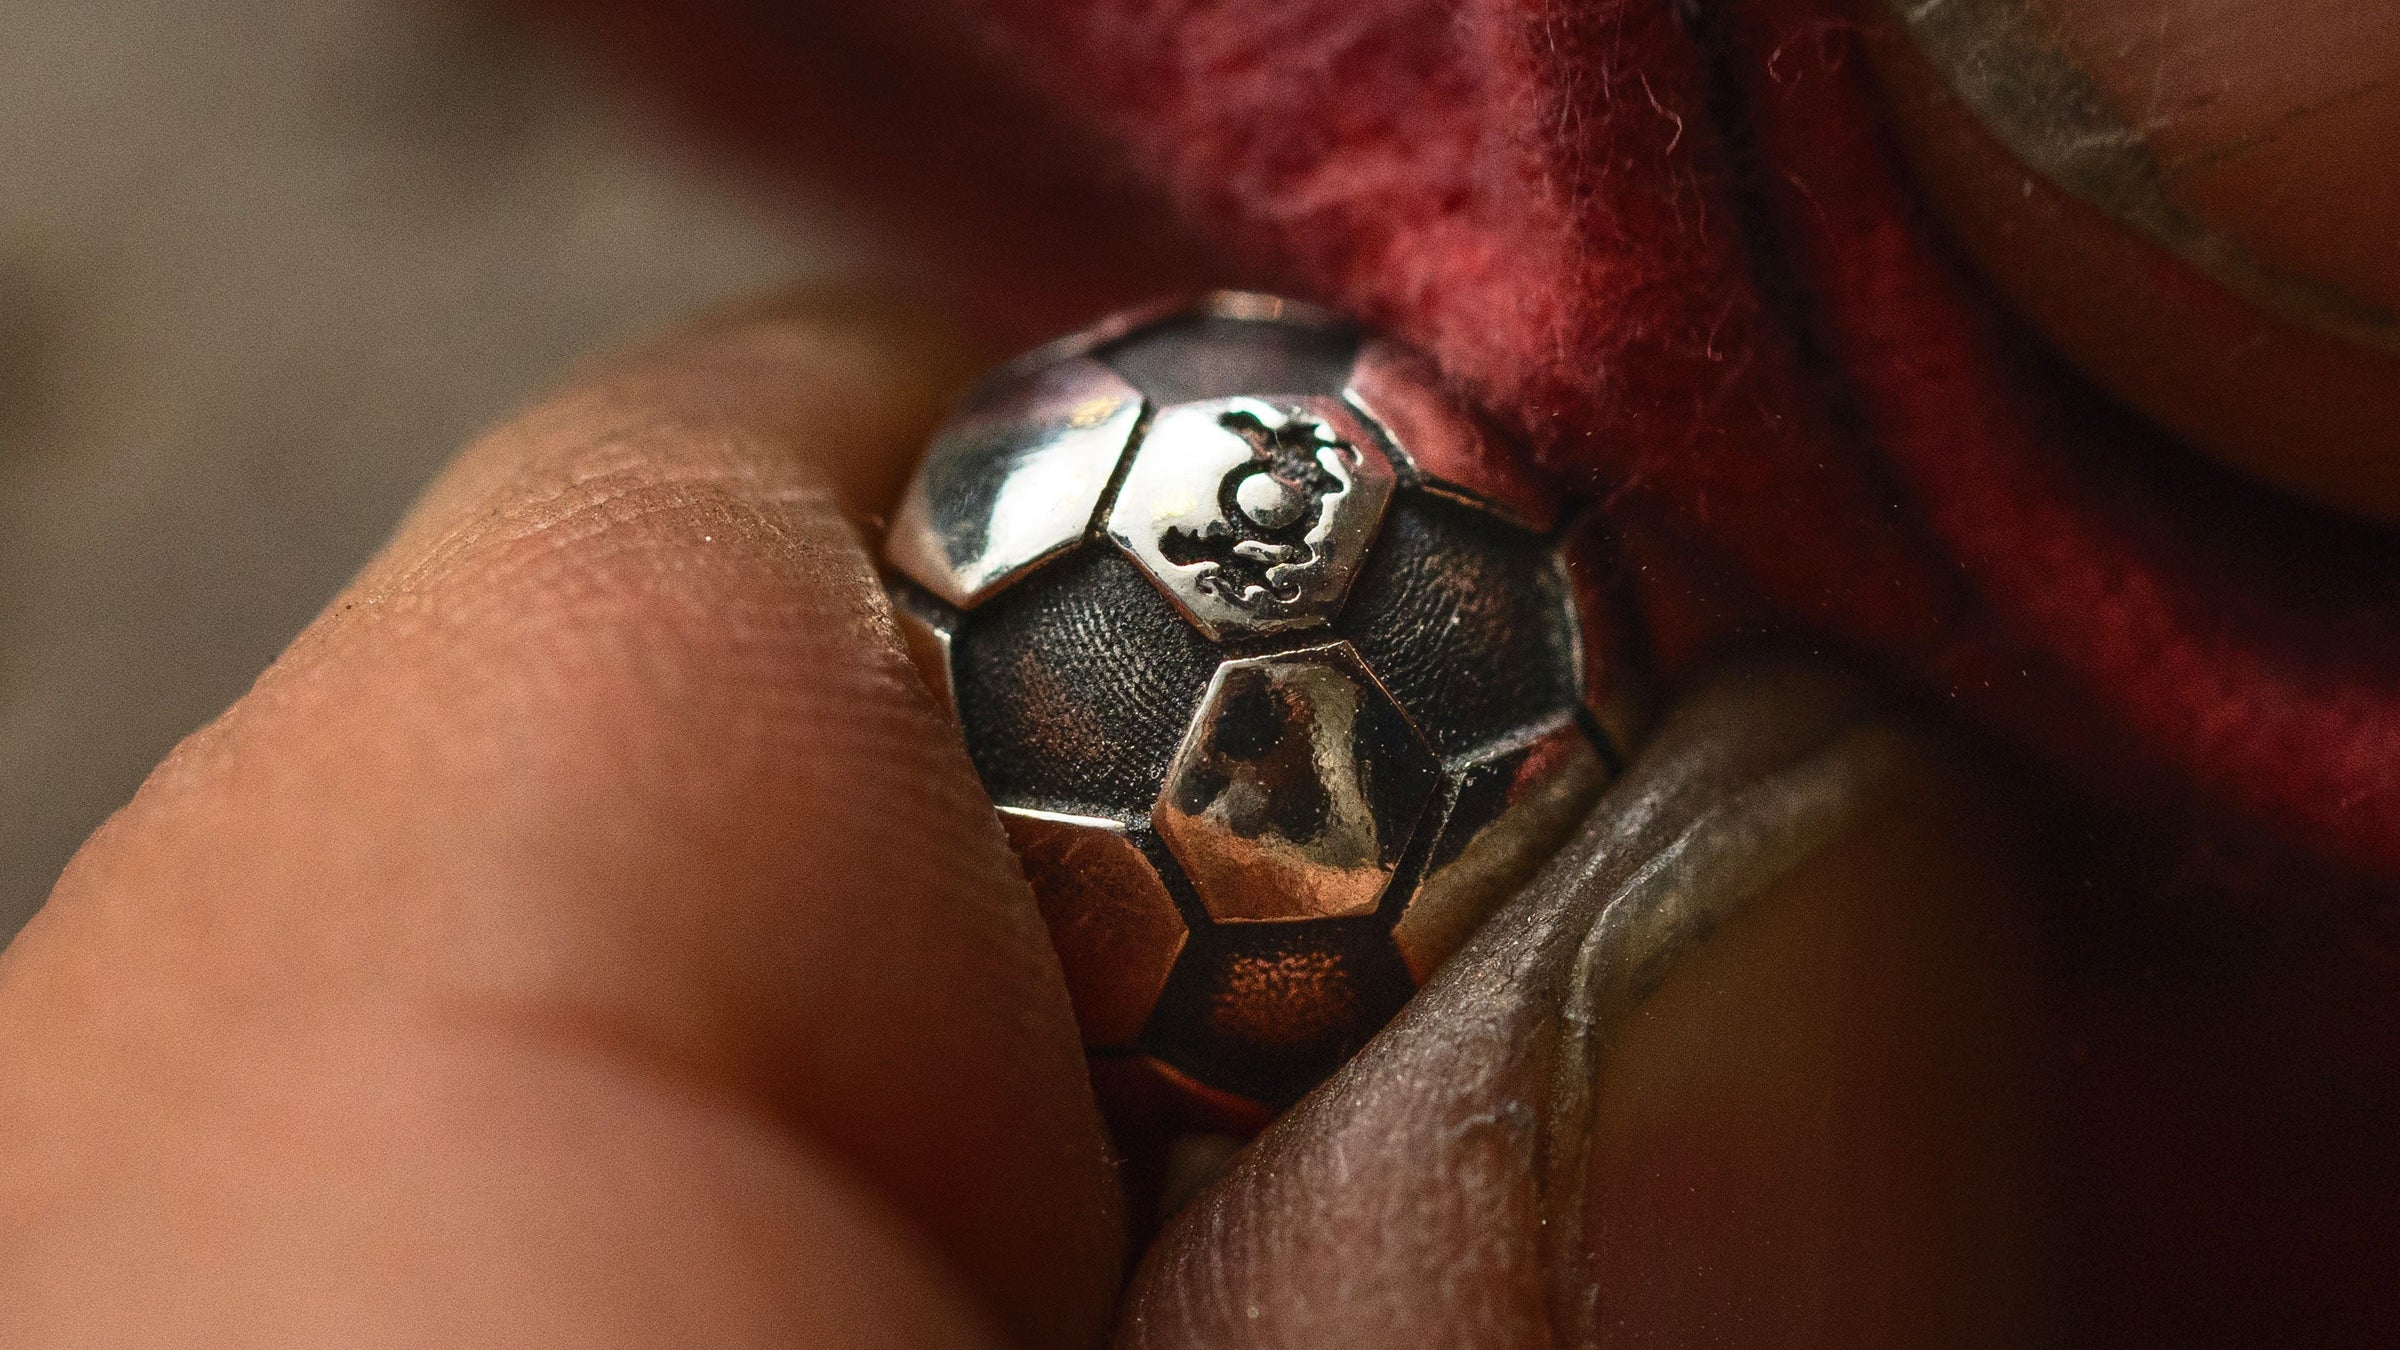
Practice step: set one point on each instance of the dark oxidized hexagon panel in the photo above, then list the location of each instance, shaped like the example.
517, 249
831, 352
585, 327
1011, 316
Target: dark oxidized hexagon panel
1253, 514
1296, 790
1075, 686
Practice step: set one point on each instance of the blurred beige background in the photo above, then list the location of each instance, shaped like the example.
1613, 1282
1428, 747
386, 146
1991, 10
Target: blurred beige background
262, 266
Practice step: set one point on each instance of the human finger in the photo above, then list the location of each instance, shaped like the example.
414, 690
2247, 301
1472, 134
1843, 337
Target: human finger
589, 928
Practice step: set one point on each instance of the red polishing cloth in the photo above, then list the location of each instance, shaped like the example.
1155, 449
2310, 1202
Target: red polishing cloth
1687, 270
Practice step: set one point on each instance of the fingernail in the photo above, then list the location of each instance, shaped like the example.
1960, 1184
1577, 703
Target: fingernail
2190, 199
2249, 138
1492, 1171
1800, 1087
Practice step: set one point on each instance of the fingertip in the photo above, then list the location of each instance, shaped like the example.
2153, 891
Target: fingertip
616, 744
1696, 1081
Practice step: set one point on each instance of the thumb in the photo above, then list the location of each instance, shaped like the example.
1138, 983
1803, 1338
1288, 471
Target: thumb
1751, 1063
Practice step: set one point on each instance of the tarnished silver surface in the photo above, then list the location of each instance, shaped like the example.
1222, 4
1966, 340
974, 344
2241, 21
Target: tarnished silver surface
1509, 811
1109, 914
1296, 789
1442, 443
1273, 717
1014, 478
1257, 307
1253, 514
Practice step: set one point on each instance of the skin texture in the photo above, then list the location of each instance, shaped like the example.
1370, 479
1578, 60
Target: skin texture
2270, 126
1823, 1128
588, 933
2268, 120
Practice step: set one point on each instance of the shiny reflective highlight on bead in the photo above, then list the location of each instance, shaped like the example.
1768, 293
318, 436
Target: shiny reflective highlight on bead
1278, 672
1013, 478
1296, 790
1253, 514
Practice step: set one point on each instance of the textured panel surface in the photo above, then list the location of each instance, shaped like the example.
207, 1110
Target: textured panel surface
1076, 686
1613, 678
1267, 1010
1463, 619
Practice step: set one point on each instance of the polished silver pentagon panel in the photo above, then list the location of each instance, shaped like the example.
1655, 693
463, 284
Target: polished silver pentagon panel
1253, 513
1296, 790
1014, 478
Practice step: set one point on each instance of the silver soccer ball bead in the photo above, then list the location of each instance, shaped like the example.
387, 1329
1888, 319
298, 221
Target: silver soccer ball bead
1279, 678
